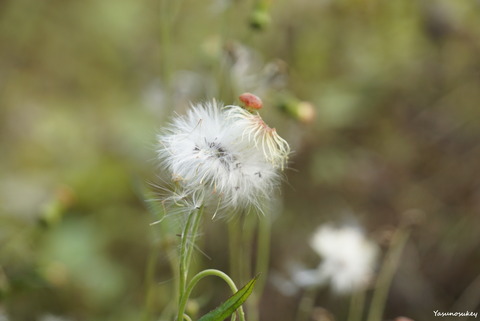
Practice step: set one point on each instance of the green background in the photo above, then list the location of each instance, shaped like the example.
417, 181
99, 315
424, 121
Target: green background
86, 85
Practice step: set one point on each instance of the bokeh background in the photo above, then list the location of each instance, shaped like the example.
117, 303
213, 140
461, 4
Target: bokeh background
379, 100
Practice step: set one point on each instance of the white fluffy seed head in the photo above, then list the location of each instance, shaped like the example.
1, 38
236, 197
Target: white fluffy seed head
348, 257
275, 149
208, 149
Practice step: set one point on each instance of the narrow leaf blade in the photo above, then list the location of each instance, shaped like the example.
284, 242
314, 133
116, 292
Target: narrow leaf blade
233, 303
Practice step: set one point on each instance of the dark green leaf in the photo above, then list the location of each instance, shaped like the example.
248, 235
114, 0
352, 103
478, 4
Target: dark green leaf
233, 303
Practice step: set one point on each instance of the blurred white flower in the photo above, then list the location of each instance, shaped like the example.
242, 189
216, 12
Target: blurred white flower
348, 259
209, 155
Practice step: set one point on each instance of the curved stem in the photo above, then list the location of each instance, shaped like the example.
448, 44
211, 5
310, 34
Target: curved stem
201, 275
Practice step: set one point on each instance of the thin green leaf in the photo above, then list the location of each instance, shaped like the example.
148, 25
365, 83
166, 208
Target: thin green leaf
233, 303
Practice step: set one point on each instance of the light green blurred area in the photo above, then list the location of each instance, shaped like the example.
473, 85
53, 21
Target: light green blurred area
78, 129
86, 85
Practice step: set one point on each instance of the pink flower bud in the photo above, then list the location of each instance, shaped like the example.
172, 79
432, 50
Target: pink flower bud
251, 101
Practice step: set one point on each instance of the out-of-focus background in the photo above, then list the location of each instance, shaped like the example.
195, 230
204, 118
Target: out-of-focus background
378, 99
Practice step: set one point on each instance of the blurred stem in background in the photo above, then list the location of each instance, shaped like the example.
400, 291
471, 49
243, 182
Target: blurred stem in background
239, 236
387, 272
307, 302
220, 69
164, 243
241, 245
169, 11
262, 264
357, 303
166, 20
150, 283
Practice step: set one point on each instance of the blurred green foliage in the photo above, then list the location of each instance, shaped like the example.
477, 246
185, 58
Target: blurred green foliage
86, 85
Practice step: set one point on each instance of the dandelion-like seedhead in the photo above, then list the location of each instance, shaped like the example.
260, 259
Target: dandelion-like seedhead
274, 148
348, 259
212, 149
175, 200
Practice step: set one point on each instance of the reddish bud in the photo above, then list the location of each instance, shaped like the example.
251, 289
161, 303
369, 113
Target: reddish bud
251, 101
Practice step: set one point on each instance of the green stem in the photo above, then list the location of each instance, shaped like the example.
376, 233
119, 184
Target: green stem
220, 65
195, 226
186, 250
183, 254
263, 251
357, 301
174, 264
165, 21
176, 10
168, 312
248, 229
261, 266
149, 284
235, 248
387, 273
240, 248
197, 278
306, 304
